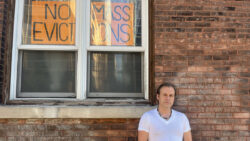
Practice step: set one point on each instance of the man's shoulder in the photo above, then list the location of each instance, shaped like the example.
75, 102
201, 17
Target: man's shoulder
178, 113
150, 112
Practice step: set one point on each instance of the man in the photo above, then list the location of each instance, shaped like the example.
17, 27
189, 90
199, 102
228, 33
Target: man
164, 123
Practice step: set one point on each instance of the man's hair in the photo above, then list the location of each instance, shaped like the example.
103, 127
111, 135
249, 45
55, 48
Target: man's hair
166, 85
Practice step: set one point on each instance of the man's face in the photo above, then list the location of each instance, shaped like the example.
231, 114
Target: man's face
166, 97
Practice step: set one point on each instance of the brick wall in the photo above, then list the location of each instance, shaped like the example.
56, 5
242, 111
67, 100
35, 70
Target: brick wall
68, 129
203, 46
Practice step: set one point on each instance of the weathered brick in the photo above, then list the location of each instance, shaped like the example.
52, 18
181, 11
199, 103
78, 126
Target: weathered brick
222, 103
196, 109
202, 24
244, 133
186, 91
239, 91
245, 74
208, 133
211, 18
178, 18
202, 13
214, 109
98, 139
241, 127
193, 18
185, 13
224, 127
223, 115
206, 115
241, 115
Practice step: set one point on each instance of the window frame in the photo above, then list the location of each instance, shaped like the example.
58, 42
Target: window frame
82, 47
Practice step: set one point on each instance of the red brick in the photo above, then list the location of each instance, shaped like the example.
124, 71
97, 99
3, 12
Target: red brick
196, 109
34, 121
186, 91
241, 127
228, 133
241, 115
208, 133
232, 109
117, 139
206, 115
231, 97
213, 97
214, 109
224, 127
53, 121
215, 121
71, 121
222, 103
223, 115
236, 103
198, 121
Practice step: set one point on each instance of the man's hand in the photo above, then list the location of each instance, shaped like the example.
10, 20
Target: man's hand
188, 136
142, 136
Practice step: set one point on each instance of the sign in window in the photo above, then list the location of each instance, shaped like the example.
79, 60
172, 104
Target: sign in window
114, 22
49, 22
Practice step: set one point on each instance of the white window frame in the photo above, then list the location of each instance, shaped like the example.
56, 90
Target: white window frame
82, 47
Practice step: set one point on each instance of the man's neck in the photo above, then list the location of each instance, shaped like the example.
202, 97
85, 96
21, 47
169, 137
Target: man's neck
164, 110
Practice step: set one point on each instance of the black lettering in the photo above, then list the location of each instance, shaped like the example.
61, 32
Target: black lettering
35, 31
51, 33
59, 13
46, 13
60, 34
99, 10
71, 30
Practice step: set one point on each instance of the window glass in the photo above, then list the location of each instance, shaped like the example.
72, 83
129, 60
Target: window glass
116, 22
47, 71
49, 22
115, 72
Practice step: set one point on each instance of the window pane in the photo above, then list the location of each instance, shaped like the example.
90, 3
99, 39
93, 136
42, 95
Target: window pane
49, 22
115, 72
43, 71
116, 22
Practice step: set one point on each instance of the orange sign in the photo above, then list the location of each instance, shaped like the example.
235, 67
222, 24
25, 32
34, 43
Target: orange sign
53, 22
112, 23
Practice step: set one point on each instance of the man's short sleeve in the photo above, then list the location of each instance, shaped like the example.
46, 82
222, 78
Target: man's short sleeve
144, 123
186, 124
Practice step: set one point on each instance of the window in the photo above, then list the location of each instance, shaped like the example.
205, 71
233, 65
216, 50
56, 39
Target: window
80, 49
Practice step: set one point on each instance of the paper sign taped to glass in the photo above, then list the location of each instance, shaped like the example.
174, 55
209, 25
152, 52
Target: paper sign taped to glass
112, 23
53, 22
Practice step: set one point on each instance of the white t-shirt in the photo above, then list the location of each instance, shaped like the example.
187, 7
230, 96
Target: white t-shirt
160, 129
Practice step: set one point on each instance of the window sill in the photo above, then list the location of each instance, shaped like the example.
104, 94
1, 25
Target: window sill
76, 102
34, 111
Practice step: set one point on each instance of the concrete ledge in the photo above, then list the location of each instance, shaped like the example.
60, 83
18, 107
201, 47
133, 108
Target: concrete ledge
73, 112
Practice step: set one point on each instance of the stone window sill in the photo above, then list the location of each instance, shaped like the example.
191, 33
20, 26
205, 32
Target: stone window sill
38, 111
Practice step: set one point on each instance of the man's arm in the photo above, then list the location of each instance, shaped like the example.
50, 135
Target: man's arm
188, 136
142, 136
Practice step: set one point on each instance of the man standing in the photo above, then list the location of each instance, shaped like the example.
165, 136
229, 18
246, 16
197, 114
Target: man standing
164, 123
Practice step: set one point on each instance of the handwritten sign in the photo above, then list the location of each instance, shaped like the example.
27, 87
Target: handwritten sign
53, 22
112, 23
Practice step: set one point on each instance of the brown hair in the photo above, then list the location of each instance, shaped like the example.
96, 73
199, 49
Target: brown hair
166, 85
